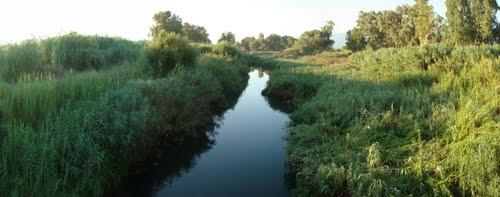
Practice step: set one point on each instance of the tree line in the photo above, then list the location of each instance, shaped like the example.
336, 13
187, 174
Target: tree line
468, 22
170, 23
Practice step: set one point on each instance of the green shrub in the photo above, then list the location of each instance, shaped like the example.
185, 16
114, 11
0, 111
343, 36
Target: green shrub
203, 48
169, 50
19, 58
395, 122
84, 150
225, 48
78, 52
231, 76
38, 60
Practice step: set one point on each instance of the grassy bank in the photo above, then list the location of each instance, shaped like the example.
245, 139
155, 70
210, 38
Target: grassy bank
96, 109
417, 120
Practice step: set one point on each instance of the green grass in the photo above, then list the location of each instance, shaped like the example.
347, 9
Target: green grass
410, 121
77, 129
48, 58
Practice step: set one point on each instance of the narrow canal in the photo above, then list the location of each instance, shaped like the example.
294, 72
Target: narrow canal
245, 155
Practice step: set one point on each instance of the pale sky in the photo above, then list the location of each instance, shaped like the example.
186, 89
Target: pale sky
131, 19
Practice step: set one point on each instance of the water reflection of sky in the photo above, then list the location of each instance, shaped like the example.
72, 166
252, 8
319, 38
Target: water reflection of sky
248, 156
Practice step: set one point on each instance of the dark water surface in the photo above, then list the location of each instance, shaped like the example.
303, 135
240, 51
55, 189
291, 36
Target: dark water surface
245, 156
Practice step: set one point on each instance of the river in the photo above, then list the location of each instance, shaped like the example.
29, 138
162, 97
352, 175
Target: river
245, 155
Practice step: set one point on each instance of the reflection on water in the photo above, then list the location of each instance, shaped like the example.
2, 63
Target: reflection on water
244, 157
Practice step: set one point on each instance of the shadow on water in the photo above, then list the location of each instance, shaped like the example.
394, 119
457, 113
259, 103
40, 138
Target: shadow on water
243, 156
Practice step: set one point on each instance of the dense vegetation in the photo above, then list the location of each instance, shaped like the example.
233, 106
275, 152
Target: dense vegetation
77, 112
468, 22
409, 121
413, 111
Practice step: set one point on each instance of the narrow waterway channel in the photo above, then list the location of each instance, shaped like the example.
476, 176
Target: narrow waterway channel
245, 155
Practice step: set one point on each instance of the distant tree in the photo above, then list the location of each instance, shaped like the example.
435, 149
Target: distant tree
355, 40
426, 21
405, 26
195, 33
274, 43
261, 42
288, 41
249, 44
167, 22
228, 37
368, 29
316, 41
471, 21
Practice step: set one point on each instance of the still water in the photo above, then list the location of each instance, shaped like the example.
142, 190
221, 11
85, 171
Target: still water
245, 157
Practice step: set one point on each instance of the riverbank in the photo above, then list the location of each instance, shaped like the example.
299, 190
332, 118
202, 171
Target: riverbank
78, 128
410, 121
243, 156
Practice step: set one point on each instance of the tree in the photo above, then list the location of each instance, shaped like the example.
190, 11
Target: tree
405, 26
471, 21
167, 22
426, 22
249, 44
355, 40
316, 41
195, 33
274, 43
261, 42
288, 41
228, 37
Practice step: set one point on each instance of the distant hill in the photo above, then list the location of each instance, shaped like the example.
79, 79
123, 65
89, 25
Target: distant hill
340, 39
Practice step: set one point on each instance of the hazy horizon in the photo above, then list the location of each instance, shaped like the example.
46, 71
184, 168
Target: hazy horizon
131, 19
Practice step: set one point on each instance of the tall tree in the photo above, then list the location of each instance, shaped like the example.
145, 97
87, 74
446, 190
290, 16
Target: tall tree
316, 41
228, 37
426, 22
167, 22
249, 43
355, 40
261, 42
288, 41
471, 21
195, 33
274, 43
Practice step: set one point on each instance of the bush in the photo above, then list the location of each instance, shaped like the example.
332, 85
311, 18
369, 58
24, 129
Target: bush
229, 75
19, 58
82, 151
411, 121
169, 50
203, 48
79, 52
225, 48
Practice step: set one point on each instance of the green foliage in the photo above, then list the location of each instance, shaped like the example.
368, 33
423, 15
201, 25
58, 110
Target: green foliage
81, 151
34, 60
169, 50
203, 48
405, 26
226, 49
227, 37
18, 59
78, 52
166, 21
412, 121
272, 42
195, 33
471, 21
316, 41
231, 75
80, 134
426, 23
249, 44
